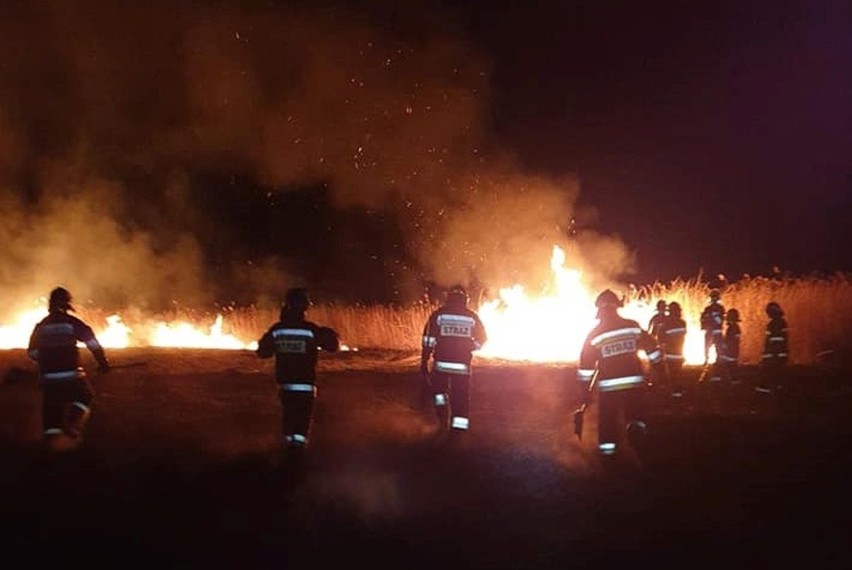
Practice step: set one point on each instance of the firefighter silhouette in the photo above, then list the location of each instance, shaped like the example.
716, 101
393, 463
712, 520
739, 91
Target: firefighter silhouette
451, 335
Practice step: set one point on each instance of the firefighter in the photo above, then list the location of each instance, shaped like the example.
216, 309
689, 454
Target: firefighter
775, 355
712, 319
729, 359
655, 325
66, 391
295, 343
673, 335
450, 336
611, 350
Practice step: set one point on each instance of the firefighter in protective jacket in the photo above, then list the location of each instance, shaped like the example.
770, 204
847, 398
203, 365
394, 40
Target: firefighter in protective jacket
451, 335
775, 347
611, 350
655, 325
729, 360
672, 338
712, 320
295, 343
66, 392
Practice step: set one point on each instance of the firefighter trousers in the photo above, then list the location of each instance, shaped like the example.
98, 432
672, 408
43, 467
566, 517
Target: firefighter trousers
451, 394
619, 406
66, 405
674, 376
297, 407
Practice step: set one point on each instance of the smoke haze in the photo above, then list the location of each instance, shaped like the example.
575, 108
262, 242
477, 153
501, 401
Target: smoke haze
189, 151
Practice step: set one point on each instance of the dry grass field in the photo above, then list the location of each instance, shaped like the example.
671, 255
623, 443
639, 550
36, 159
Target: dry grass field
818, 310
180, 469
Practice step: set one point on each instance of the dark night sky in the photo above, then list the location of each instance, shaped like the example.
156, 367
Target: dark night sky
222, 150
712, 135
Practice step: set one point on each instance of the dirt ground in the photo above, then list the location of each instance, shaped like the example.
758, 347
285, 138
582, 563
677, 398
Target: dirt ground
180, 468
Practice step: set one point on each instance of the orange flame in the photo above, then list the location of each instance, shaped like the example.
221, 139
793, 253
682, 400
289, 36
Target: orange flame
117, 334
551, 327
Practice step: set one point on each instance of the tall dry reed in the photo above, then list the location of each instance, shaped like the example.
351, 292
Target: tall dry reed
818, 310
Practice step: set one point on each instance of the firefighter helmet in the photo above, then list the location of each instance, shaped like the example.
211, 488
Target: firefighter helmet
607, 299
296, 300
733, 316
661, 306
60, 300
714, 294
773, 309
457, 296
674, 309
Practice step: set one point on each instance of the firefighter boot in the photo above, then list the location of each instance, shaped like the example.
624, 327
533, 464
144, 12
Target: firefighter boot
442, 410
637, 434
76, 418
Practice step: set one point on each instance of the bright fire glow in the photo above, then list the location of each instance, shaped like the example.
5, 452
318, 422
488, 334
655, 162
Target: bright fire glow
115, 333
552, 326
547, 327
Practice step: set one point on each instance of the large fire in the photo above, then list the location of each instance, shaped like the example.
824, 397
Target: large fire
552, 326
117, 334
546, 327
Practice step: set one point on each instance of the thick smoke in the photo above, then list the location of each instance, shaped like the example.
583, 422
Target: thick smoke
112, 116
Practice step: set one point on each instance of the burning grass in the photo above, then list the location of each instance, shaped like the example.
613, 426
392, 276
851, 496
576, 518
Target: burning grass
818, 309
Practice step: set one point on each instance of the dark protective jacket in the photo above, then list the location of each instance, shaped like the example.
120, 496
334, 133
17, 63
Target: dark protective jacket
775, 345
612, 348
451, 335
731, 345
672, 337
295, 343
53, 344
655, 325
712, 317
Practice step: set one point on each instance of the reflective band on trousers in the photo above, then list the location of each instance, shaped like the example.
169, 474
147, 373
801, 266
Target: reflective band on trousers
674, 357
451, 367
81, 406
296, 438
675, 331
299, 388
612, 384
60, 375
606, 448
440, 400
728, 358
654, 356
459, 423
53, 431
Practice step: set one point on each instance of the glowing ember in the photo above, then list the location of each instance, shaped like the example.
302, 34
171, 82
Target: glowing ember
551, 327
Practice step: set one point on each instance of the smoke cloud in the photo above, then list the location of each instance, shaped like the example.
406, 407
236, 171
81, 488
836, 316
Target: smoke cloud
115, 118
